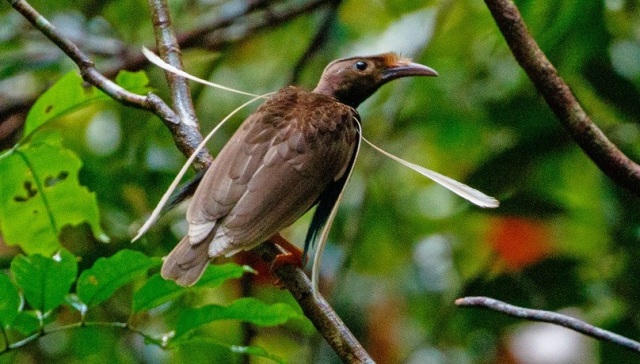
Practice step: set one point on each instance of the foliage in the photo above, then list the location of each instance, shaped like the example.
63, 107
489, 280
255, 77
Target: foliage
402, 249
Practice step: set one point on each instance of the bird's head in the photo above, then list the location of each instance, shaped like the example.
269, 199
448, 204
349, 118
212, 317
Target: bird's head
353, 80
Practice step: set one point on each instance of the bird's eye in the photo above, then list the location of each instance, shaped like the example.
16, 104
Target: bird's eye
360, 65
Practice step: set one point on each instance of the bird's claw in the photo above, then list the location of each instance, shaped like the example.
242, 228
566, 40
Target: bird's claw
291, 255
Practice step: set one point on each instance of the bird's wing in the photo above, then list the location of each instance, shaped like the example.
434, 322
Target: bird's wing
271, 172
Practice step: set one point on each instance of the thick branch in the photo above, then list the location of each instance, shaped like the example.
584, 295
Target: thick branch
316, 309
167, 46
559, 97
550, 317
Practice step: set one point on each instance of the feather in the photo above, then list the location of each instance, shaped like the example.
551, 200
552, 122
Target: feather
164, 65
470, 194
328, 221
167, 195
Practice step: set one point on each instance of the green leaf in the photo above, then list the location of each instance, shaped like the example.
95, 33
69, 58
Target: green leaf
26, 322
237, 349
245, 309
9, 301
65, 96
45, 281
41, 194
157, 290
133, 81
70, 94
99, 282
216, 274
255, 351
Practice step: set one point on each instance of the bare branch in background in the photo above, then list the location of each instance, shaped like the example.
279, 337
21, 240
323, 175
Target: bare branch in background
558, 95
319, 39
549, 317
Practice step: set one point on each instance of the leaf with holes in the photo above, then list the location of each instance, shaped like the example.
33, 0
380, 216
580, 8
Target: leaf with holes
45, 281
244, 309
99, 282
9, 301
40, 194
70, 93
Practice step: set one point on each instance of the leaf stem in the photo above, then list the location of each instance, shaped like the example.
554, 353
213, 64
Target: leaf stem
76, 325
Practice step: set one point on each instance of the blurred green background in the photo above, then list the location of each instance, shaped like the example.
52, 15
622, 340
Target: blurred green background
565, 238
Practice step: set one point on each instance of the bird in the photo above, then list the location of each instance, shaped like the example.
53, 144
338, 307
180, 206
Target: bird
294, 152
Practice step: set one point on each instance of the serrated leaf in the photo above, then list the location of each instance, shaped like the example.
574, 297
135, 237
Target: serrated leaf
41, 194
9, 301
157, 290
45, 281
99, 282
245, 309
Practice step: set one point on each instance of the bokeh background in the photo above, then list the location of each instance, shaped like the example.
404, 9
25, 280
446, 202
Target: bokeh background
565, 238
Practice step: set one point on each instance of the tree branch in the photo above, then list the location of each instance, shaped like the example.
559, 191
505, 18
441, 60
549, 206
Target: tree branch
550, 317
561, 100
133, 59
185, 136
169, 51
315, 308
87, 68
319, 39
77, 325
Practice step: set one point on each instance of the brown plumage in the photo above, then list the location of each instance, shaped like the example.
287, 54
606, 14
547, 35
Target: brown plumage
296, 150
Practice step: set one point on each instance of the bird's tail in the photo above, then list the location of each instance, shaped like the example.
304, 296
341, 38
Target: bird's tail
186, 262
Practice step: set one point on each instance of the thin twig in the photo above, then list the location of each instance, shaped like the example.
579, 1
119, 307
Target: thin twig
184, 136
550, 317
319, 39
193, 37
561, 100
268, 19
76, 325
316, 309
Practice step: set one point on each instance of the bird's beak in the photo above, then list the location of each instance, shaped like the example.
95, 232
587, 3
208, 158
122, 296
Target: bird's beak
406, 70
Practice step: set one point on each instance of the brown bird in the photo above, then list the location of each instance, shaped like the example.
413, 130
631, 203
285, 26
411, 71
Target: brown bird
295, 151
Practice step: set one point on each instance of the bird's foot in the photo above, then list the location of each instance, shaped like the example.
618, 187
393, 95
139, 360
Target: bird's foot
291, 255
